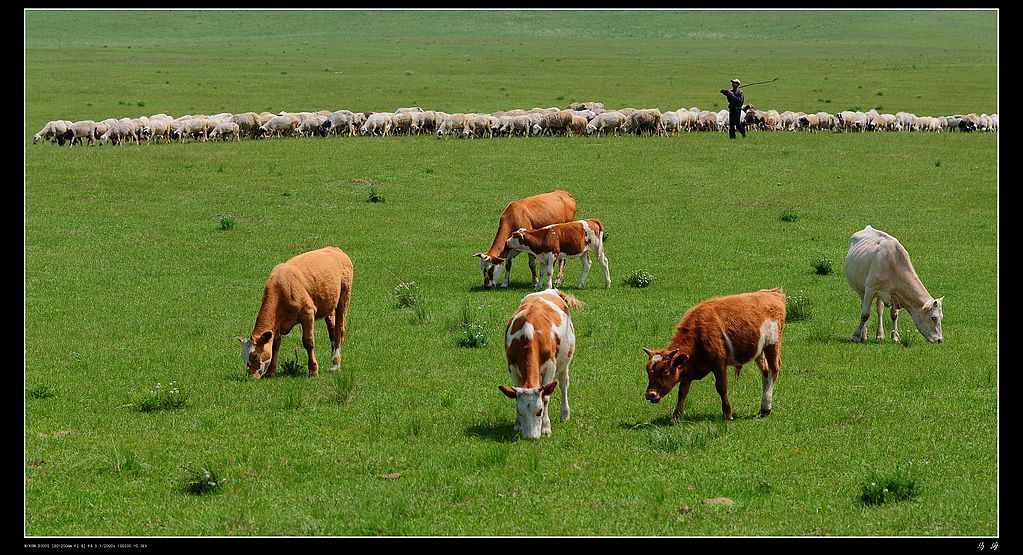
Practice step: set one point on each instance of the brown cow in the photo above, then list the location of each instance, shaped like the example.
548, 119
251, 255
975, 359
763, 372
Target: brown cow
561, 242
531, 212
311, 286
715, 334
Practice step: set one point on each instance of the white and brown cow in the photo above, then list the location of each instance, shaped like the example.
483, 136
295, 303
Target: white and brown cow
539, 342
877, 265
531, 212
715, 334
562, 242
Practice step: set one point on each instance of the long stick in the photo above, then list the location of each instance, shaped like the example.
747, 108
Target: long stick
758, 83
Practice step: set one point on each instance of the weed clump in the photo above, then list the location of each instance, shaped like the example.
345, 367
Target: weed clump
639, 278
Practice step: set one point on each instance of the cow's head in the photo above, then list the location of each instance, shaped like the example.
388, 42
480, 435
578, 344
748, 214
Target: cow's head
517, 240
928, 320
492, 267
530, 407
257, 352
664, 369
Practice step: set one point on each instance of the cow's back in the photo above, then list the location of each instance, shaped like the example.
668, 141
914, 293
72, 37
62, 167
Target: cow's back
748, 321
877, 258
540, 210
320, 274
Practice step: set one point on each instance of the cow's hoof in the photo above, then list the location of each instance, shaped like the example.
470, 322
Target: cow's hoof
857, 338
764, 413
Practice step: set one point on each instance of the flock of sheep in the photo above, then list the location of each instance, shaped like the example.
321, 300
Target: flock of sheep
585, 118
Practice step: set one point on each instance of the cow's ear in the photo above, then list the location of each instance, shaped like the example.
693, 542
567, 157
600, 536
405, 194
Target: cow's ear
546, 390
480, 255
678, 358
927, 305
267, 336
509, 392
649, 352
939, 301
241, 339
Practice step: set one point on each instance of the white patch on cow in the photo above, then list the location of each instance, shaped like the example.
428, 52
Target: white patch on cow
768, 335
246, 349
731, 349
525, 331
588, 231
655, 359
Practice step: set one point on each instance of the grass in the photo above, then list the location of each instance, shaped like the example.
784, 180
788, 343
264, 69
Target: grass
408, 294
169, 397
123, 234
822, 266
39, 391
798, 307
201, 480
639, 278
892, 487
473, 329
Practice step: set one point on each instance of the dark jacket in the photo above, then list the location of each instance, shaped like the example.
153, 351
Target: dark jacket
735, 99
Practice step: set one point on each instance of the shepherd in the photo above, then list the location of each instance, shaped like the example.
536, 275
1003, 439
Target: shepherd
736, 100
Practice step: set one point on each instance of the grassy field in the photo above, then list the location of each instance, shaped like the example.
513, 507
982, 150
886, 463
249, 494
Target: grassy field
131, 280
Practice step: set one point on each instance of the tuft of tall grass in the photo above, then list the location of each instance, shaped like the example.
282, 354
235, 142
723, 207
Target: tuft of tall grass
797, 307
201, 480
879, 489
639, 278
161, 398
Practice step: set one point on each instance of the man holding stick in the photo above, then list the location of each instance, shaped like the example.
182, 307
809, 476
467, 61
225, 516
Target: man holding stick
735, 102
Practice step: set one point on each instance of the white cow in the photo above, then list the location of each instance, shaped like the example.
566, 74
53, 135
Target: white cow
878, 266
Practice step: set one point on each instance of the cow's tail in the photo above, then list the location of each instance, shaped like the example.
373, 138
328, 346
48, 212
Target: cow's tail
571, 301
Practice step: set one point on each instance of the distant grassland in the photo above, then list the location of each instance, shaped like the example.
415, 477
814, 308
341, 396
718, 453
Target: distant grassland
928, 63
130, 280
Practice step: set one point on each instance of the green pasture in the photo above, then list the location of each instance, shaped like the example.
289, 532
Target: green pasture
131, 279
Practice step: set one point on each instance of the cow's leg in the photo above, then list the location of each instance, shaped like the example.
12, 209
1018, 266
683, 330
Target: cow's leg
272, 369
895, 323
566, 412
602, 259
340, 327
721, 384
561, 270
307, 319
546, 429
508, 265
586, 268
865, 301
683, 392
532, 270
767, 396
880, 320
548, 268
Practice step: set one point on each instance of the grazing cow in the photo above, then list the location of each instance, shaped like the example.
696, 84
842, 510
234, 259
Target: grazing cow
538, 341
877, 265
561, 242
530, 213
715, 334
314, 285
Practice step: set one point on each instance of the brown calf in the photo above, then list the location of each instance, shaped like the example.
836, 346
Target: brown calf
715, 334
561, 242
312, 286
